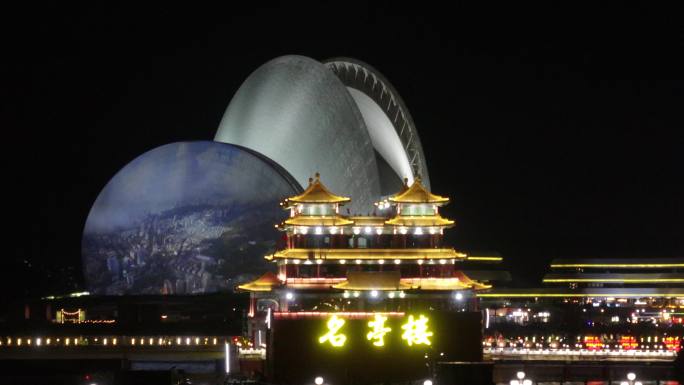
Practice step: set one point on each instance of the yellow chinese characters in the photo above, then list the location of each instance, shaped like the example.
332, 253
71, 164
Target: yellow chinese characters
379, 330
416, 331
334, 325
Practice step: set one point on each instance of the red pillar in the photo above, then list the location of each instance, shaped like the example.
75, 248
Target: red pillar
252, 305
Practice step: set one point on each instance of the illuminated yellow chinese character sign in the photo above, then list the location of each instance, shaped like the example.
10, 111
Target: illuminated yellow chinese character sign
334, 325
416, 331
378, 330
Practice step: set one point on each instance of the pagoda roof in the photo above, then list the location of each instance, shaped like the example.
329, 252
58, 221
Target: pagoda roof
417, 193
459, 281
451, 283
264, 283
367, 254
489, 257
404, 187
305, 220
372, 280
419, 221
473, 283
435, 283
316, 193
368, 220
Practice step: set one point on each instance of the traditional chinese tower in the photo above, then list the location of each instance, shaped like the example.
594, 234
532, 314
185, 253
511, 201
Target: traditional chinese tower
389, 271
334, 262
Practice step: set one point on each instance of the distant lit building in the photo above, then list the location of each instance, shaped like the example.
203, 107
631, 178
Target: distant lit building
606, 304
633, 280
651, 273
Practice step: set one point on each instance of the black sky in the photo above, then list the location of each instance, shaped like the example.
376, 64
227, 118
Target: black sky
557, 132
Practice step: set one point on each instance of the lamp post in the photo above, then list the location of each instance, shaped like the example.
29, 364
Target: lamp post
631, 380
521, 379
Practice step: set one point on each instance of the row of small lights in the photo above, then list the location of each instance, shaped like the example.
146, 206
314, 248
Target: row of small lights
521, 380
373, 294
580, 352
577, 346
579, 337
521, 339
319, 230
373, 261
321, 381
592, 342
106, 341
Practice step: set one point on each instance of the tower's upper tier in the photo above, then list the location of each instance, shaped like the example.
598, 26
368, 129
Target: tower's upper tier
415, 208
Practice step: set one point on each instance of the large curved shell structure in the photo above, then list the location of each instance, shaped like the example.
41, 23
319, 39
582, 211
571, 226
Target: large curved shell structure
302, 114
297, 113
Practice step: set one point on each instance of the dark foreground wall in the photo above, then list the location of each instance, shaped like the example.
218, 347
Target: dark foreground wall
298, 356
464, 373
58, 371
547, 371
599, 373
86, 371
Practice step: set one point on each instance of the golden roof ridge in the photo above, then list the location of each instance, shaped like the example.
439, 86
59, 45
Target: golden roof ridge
417, 193
316, 192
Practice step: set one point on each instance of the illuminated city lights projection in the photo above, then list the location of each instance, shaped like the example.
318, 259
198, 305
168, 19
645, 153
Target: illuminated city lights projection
184, 218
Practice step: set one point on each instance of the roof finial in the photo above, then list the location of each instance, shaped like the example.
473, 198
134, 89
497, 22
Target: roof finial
418, 179
318, 176
310, 181
406, 181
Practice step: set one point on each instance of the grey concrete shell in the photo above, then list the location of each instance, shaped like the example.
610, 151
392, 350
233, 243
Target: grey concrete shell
299, 113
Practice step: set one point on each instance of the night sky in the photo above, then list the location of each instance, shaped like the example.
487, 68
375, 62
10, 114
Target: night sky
557, 132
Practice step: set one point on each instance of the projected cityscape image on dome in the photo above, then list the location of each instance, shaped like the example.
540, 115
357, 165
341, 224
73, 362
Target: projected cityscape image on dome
189, 217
